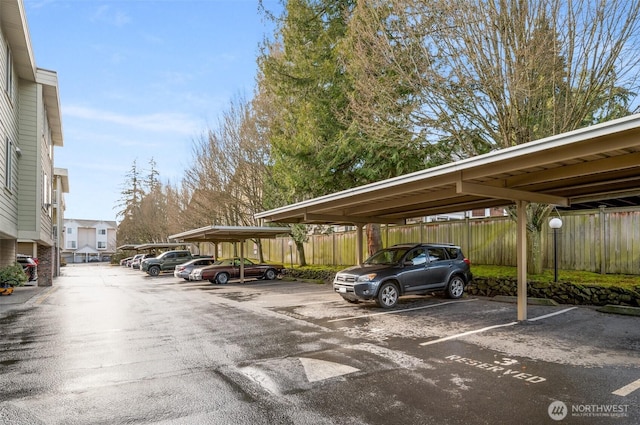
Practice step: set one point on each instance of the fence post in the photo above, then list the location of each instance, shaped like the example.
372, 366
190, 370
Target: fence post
333, 251
603, 249
468, 233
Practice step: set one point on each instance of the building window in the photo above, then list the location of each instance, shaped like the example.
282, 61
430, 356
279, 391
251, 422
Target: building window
69, 231
8, 169
46, 190
46, 135
102, 245
71, 244
102, 231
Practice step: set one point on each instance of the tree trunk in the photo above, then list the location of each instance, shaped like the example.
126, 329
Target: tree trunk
301, 257
534, 248
374, 238
258, 242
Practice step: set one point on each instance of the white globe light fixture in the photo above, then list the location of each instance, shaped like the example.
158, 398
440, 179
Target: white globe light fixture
555, 223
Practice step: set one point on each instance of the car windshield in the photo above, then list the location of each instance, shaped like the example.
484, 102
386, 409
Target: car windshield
387, 256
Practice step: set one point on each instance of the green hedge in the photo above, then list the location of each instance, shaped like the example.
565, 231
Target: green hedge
318, 274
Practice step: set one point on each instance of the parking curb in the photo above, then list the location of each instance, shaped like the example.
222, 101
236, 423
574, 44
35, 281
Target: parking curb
530, 301
620, 309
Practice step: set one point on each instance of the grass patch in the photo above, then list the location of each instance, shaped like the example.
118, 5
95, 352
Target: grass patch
631, 282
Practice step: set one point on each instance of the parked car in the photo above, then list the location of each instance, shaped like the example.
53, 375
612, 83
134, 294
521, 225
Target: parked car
183, 270
29, 265
137, 259
124, 261
167, 261
405, 269
230, 269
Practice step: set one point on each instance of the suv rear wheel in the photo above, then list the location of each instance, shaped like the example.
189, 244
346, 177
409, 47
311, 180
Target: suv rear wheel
455, 288
387, 295
154, 270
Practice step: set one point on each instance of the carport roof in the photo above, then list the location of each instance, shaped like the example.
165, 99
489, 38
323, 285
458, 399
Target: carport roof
229, 233
581, 167
155, 245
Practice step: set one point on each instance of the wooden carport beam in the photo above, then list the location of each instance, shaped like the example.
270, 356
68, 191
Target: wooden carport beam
343, 219
510, 194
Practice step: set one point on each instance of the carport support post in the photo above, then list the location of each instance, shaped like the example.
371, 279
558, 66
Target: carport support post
521, 242
242, 261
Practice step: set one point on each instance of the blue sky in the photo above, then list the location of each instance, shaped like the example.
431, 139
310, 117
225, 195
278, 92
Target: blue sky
140, 79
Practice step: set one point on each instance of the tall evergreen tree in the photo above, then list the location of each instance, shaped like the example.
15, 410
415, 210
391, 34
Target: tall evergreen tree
303, 78
317, 145
129, 206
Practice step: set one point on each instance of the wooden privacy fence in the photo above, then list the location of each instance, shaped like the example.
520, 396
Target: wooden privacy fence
601, 241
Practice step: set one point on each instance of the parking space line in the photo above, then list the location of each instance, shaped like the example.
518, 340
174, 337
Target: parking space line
401, 311
552, 314
447, 338
627, 389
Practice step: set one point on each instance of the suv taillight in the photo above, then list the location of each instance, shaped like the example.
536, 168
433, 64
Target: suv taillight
466, 260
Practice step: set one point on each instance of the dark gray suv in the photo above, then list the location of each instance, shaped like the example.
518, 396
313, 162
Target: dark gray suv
405, 269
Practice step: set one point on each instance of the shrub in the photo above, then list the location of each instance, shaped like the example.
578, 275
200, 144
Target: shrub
13, 273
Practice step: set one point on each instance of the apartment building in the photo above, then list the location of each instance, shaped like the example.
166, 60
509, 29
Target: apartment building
30, 128
88, 240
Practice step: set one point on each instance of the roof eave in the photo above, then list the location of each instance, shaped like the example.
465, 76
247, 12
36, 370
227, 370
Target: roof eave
13, 20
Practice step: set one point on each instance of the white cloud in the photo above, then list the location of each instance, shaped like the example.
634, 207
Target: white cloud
176, 123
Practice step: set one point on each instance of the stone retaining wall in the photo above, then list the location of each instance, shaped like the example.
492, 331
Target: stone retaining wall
561, 292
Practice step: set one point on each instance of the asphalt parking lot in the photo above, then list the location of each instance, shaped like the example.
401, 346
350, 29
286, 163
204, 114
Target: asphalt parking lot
429, 360
578, 365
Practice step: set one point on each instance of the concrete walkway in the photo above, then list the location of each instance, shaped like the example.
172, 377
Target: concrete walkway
21, 295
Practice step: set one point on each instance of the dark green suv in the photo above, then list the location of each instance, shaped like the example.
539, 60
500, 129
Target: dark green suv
167, 261
405, 269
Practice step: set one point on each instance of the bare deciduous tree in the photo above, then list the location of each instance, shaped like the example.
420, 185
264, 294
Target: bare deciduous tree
488, 74
226, 178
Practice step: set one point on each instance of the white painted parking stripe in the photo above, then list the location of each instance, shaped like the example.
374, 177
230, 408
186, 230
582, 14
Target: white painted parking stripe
552, 314
627, 389
447, 338
402, 311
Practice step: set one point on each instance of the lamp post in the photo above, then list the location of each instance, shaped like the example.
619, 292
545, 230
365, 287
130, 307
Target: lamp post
291, 252
555, 223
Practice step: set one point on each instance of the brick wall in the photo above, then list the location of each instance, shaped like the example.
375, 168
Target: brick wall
45, 265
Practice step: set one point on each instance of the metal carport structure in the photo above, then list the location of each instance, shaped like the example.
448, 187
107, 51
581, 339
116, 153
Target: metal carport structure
152, 245
230, 234
590, 164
